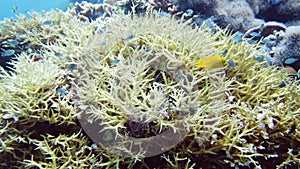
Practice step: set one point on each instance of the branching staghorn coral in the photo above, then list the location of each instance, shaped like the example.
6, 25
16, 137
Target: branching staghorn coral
137, 78
34, 97
39, 31
145, 78
30, 91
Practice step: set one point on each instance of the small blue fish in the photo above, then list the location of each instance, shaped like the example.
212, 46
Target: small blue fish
179, 78
250, 41
189, 12
162, 13
261, 28
238, 37
276, 2
225, 52
116, 61
290, 60
57, 54
247, 24
255, 34
62, 91
14, 8
73, 66
265, 41
212, 18
9, 52
12, 43
231, 63
282, 84
130, 37
269, 61
227, 19
298, 75
103, 43
260, 58
47, 22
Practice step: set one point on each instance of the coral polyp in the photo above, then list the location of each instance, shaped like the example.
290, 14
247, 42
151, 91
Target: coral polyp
125, 92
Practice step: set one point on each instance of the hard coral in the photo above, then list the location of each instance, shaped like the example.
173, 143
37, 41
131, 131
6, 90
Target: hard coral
288, 47
237, 14
143, 73
32, 105
276, 10
88, 12
134, 78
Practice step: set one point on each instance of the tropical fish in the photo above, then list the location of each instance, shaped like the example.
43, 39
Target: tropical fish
47, 22
130, 37
260, 58
251, 41
103, 43
290, 60
212, 62
71, 5
116, 61
8, 52
58, 54
14, 8
276, 2
238, 37
231, 63
62, 91
255, 34
12, 43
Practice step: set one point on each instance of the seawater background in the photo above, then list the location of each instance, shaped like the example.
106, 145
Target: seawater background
29, 5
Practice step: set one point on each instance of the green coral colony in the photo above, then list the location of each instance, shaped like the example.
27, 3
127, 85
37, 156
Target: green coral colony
127, 68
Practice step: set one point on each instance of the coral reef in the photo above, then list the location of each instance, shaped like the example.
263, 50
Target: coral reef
288, 47
242, 14
264, 30
136, 75
89, 1
88, 12
239, 19
237, 14
276, 10
35, 33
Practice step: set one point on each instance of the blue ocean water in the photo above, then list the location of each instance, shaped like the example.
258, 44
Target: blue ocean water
11, 8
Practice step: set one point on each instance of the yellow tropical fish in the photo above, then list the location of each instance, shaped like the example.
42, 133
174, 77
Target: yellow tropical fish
212, 62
